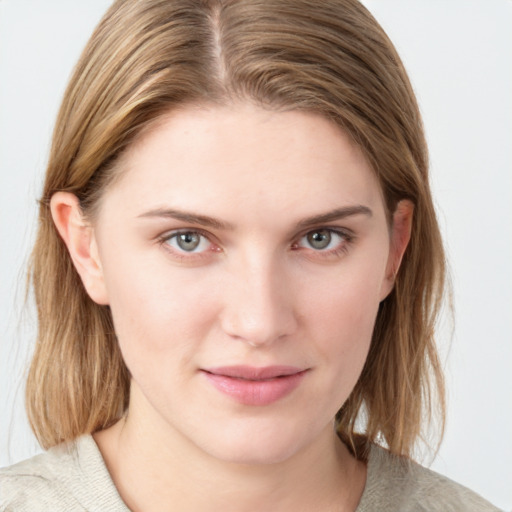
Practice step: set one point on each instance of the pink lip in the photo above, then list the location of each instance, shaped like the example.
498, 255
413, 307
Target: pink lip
255, 386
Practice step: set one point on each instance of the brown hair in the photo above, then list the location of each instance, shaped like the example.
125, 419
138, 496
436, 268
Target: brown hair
147, 57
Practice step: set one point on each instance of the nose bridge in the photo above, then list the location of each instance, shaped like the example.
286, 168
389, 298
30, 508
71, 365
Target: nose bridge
259, 308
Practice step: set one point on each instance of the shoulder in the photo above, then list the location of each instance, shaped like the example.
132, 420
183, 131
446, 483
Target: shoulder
69, 477
40, 483
400, 485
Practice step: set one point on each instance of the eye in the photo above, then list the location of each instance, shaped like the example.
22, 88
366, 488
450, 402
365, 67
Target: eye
188, 241
323, 240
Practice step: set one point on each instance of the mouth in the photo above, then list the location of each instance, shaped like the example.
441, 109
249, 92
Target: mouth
255, 386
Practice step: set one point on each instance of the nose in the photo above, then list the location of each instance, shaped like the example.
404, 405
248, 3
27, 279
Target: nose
258, 305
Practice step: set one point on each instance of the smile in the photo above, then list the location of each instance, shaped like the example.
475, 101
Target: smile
255, 386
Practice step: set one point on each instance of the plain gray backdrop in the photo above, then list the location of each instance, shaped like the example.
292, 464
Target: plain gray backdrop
459, 57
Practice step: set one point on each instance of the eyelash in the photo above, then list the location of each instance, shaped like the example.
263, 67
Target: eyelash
340, 249
346, 236
182, 254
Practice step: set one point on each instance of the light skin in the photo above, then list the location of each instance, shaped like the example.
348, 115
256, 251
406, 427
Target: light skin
237, 236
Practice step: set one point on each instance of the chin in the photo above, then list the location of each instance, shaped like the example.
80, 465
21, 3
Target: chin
257, 444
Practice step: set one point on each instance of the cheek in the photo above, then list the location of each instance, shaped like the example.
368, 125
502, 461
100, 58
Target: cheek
349, 300
338, 330
342, 318
157, 309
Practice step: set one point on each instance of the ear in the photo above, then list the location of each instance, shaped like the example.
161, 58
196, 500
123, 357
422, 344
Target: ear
399, 239
79, 237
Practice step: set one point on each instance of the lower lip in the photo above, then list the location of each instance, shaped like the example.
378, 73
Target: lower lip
255, 392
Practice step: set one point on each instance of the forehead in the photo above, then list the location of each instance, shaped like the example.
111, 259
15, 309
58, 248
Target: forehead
219, 159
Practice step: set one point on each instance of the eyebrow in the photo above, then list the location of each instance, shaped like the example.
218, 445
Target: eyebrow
189, 217
212, 222
336, 214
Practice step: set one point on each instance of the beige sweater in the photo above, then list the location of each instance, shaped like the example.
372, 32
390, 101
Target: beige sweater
73, 477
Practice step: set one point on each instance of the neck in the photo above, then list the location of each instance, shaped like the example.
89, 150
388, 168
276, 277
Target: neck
158, 470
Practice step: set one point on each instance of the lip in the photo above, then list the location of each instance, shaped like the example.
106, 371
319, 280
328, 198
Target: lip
256, 386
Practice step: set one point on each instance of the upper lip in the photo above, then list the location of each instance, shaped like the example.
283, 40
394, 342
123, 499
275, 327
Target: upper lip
254, 373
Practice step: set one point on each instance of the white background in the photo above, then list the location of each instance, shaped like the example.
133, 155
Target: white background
459, 56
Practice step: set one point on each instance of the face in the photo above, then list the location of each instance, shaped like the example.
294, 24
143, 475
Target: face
243, 254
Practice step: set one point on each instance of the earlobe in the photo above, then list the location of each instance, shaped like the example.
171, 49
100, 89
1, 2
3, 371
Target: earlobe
80, 240
400, 236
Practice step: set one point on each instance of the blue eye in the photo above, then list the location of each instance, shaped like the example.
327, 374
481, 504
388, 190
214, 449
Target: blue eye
322, 240
188, 241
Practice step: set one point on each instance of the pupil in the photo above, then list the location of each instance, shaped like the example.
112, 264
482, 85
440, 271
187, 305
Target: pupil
188, 241
320, 239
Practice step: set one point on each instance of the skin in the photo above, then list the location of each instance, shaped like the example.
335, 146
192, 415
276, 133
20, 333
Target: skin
255, 292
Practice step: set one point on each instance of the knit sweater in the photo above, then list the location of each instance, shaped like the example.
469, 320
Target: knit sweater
73, 477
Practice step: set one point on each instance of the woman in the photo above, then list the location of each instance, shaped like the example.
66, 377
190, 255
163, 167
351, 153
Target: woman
237, 222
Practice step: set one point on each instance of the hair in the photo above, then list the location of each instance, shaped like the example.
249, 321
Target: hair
148, 57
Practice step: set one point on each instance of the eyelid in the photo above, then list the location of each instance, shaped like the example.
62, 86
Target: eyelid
344, 232
347, 234
173, 232
168, 235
